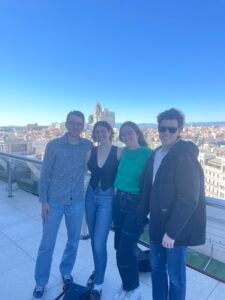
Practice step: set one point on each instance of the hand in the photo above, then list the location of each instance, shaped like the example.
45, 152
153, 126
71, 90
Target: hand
45, 210
167, 242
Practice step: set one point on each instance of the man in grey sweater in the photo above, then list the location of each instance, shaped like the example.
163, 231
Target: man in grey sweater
61, 193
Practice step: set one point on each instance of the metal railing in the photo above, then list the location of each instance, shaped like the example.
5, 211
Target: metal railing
26, 173
10, 173
9, 165
215, 237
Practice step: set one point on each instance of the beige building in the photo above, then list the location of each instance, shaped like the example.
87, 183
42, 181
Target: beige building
214, 170
17, 145
103, 115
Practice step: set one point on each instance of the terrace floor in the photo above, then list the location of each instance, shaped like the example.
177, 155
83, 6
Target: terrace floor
20, 233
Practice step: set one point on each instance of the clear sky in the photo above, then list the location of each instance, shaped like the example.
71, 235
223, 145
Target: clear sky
137, 57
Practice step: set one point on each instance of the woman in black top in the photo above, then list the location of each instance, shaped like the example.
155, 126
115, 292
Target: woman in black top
103, 164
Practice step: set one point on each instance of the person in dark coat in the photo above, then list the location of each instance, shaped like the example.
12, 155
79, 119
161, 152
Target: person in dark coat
172, 191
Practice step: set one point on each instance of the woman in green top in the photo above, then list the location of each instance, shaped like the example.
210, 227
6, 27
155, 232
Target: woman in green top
125, 206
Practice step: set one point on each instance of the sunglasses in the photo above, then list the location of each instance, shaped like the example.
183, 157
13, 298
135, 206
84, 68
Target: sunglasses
171, 129
73, 124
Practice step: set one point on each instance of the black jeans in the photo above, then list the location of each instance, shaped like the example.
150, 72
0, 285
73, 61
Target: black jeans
126, 236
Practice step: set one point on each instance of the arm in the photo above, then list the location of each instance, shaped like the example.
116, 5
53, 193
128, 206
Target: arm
45, 210
167, 242
87, 159
48, 162
187, 185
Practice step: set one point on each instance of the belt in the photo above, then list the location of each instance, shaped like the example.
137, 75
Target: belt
119, 192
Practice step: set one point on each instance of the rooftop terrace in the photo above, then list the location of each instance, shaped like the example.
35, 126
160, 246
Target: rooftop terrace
20, 234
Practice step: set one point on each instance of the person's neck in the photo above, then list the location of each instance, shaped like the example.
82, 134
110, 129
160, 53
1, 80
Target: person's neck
73, 139
104, 145
168, 147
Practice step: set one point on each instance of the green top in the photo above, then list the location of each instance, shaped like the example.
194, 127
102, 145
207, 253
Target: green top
131, 166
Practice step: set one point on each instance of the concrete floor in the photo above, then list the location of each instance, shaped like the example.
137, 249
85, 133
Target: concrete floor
20, 233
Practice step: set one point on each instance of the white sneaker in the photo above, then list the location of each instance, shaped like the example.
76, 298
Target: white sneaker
133, 295
120, 294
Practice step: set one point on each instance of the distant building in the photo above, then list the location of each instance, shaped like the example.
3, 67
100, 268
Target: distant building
56, 125
97, 112
103, 115
214, 170
17, 146
33, 126
1, 146
39, 148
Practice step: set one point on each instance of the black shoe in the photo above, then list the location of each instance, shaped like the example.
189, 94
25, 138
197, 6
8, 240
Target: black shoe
67, 279
38, 291
95, 294
90, 282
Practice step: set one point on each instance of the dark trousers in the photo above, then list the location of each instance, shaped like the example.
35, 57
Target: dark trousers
126, 236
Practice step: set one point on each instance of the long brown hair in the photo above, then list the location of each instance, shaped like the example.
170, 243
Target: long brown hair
134, 126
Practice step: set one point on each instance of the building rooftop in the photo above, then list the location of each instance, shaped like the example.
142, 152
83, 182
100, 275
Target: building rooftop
20, 233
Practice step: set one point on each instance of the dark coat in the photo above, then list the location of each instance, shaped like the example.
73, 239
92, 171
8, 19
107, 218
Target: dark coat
176, 200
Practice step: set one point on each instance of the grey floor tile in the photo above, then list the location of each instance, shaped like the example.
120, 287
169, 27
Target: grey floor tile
146, 278
6, 209
13, 218
4, 241
146, 291
20, 235
199, 286
18, 284
12, 257
218, 293
23, 229
30, 244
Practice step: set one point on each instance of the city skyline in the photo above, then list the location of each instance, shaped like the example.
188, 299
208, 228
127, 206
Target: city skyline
136, 58
118, 124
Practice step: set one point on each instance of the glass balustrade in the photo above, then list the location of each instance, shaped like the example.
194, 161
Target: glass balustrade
208, 259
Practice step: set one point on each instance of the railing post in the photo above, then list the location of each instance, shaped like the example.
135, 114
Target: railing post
210, 258
9, 177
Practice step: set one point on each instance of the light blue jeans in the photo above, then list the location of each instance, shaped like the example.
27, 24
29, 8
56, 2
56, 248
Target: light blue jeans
73, 219
99, 218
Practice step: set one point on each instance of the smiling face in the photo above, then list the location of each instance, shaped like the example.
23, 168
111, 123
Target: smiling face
101, 134
129, 137
169, 131
74, 125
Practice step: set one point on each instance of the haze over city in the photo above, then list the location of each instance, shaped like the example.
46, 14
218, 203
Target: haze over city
136, 57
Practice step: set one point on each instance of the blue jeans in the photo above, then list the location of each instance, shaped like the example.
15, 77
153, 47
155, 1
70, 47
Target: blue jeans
126, 237
73, 220
99, 218
168, 264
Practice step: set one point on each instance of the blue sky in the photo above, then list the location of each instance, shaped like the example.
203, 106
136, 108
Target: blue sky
136, 57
